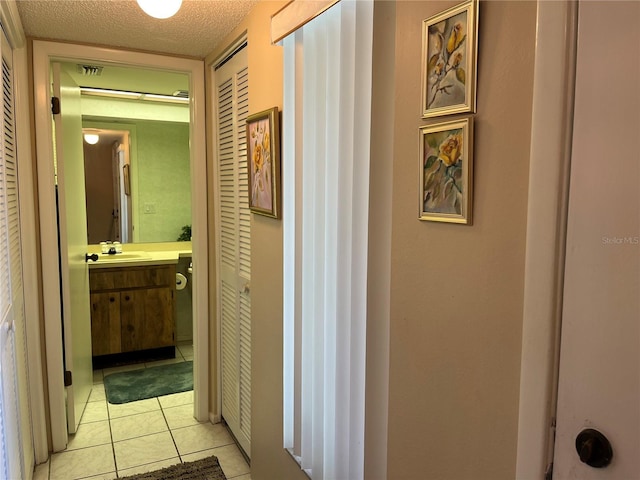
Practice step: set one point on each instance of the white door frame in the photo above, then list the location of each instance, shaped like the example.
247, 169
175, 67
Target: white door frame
551, 132
43, 53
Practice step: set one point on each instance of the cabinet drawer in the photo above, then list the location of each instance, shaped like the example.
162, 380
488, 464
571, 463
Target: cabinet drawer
132, 277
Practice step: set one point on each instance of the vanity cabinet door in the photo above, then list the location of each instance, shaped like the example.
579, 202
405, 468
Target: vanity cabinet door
132, 309
147, 318
132, 312
159, 318
105, 323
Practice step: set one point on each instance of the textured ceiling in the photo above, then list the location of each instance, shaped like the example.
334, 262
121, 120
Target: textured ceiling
195, 31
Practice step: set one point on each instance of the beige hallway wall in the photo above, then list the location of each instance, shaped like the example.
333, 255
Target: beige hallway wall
457, 291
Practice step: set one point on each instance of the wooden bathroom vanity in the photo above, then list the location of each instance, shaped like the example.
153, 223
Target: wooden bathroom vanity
133, 308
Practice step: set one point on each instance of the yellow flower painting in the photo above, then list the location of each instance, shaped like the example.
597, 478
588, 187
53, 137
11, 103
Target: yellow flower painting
263, 165
260, 170
445, 171
448, 63
446, 75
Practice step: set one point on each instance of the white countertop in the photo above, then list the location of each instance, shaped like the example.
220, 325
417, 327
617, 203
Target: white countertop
136, 259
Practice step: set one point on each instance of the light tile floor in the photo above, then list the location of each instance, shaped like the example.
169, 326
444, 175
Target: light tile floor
114, 441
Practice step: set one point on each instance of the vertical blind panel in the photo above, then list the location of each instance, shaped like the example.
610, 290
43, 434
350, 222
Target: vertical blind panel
293, 207
333, 277
326, 241
309, 296
345, 253
362, 66
319, 112
288, 241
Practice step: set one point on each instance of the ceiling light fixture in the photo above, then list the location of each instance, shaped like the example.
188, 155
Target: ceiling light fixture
125, 95
160, 8
105, 92
91, 138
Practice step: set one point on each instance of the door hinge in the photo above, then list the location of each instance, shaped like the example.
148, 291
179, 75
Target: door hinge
548, 474
68, 380
55, 105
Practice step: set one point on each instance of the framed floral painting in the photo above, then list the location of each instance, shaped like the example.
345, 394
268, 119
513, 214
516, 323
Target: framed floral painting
446, 171
263, 162
449, 51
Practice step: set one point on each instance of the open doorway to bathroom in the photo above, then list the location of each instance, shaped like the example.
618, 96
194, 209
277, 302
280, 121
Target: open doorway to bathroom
153, 291
137, 176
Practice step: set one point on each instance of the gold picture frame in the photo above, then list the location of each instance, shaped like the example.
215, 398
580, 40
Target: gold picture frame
449, 61
446, 171
263, 162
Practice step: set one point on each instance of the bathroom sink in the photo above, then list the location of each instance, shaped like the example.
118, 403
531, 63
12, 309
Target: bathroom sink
134, 258
124, 257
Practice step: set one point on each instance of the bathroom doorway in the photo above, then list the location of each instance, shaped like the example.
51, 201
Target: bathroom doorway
44, 54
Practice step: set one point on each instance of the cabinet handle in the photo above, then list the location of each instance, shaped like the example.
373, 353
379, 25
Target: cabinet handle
112, 299
127, 298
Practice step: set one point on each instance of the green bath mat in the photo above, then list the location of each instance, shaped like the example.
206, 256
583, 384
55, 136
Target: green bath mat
151, 382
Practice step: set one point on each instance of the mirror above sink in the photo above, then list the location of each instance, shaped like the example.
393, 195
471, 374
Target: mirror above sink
137, 175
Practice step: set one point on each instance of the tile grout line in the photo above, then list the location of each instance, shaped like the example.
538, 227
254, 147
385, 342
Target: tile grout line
139, 436
113, 447
170, 430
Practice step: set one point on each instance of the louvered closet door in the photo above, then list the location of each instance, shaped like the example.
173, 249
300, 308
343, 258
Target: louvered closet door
14, 417
234, 244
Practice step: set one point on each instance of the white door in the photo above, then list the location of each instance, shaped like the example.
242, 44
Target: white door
234, 245
599, 383
122, 186
116, 217
72, 226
